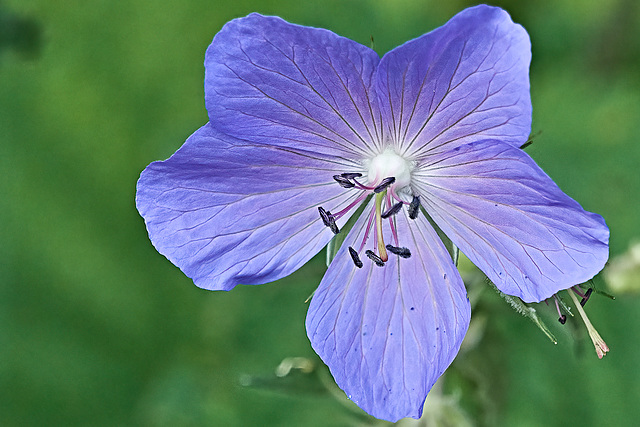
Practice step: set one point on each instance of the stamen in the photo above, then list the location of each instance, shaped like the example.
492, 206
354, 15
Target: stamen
401, 252
351, 175
414, 207
328, 220
599, 344
368, 229
578, 290
375, 258
562, 319
392, 210
357, 201
355, 257
394, 232
586, 297
362, 186
344, 182
384, 184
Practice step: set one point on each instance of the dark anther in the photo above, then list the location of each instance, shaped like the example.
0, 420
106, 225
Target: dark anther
350, 175
392, 210
586, 297
328, 220
344, 182
530, 140
325, 216
355, 257
414, 207
384, 184
375, 258
401, 252
563, 319
526, 144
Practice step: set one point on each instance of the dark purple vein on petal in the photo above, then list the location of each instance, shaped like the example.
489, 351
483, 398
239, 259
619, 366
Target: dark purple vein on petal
415, 104
355, 105
441, 100
433, 202
308, 83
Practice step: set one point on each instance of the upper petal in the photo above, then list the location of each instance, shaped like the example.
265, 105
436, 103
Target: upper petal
228, 212
288, 85
387, 333
462, 82
512, 220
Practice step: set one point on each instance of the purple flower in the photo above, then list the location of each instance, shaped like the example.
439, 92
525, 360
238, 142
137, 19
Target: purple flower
306, 126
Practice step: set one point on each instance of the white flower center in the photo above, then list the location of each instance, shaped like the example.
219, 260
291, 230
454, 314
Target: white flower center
387, 164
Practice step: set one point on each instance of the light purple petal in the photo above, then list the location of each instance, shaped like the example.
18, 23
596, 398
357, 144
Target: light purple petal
229, 212
387, 333
462, 82
512, 220
292, 86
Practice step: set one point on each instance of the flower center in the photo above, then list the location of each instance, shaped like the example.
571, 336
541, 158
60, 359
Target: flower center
389, 182
389, 163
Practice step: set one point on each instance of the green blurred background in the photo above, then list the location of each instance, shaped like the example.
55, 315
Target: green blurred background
97, 328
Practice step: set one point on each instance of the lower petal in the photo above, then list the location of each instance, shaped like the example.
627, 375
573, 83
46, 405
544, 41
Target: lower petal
387, 333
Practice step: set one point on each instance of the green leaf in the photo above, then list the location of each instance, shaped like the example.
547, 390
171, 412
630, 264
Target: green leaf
294, 376
336, 242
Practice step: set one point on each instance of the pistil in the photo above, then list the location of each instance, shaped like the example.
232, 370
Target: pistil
382, 250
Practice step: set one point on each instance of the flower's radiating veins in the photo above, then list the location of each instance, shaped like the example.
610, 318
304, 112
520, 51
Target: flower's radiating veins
387, 333
414, 207
511, 220
355, 257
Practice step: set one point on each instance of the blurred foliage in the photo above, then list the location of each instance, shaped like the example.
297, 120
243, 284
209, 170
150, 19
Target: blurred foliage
18, 33
623, 274
97, 328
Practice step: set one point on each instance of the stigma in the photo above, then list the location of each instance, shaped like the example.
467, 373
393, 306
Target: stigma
386, 177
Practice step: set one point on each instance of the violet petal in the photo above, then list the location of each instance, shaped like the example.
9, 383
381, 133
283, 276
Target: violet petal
465, 81
229, 212
292, 86
387, 334
512, 220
